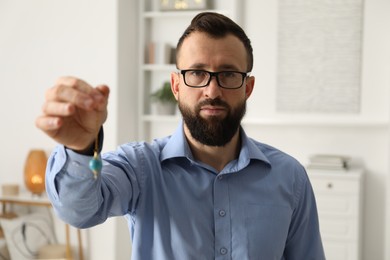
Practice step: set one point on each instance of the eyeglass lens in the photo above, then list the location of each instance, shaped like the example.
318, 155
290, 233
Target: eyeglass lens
225, 79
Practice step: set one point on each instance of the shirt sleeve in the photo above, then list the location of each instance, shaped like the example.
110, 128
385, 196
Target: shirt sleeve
83, 201
304, 239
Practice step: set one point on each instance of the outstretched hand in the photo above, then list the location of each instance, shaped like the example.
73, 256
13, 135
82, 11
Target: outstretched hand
73, 112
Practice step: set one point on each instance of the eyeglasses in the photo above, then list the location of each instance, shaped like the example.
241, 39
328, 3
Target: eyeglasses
225, 79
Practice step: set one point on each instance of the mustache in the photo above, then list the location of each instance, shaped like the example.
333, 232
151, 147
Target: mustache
213, 102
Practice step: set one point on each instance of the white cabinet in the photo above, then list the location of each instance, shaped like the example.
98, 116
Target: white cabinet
339, 197
157, 31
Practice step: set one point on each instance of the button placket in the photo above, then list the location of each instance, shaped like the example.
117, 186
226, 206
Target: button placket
221, 221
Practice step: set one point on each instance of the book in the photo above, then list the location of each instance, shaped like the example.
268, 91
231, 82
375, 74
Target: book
329, 161
151, 53
160, 53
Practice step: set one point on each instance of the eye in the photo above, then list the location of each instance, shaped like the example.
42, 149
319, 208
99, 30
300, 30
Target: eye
198, 73
228, 74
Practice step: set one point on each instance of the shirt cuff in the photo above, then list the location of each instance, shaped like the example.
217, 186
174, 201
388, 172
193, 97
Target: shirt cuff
68, 166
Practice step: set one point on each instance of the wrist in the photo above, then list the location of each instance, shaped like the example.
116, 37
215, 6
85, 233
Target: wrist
90, 149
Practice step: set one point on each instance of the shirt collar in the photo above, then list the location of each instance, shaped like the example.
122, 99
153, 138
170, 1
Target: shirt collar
250, 150
177, 146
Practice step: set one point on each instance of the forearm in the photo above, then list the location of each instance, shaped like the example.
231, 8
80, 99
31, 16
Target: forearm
75, 194
83, 201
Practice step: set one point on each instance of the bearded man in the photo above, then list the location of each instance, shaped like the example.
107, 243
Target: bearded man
208, 191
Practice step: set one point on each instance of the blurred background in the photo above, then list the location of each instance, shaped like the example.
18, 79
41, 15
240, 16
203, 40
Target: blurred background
106, 41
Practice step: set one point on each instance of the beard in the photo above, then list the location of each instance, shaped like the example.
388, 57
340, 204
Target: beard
213, 131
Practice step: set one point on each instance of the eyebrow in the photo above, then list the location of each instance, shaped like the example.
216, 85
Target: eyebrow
202, 66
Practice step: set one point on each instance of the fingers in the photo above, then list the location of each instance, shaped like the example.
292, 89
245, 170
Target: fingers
73, 112
76, 92
65, 93
68, 97
58, 108
48, 124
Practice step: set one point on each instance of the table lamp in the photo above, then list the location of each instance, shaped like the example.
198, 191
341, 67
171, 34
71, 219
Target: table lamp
34, 171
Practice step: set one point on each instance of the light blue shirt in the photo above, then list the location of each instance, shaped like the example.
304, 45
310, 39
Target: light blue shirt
260, 206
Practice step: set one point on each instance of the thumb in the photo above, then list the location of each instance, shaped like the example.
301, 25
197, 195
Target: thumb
104, 90
102, 97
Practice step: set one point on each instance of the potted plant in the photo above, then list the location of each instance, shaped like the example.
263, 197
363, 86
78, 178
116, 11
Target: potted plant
164, 99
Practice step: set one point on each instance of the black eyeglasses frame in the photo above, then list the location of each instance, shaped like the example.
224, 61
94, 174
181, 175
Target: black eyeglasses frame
214, 74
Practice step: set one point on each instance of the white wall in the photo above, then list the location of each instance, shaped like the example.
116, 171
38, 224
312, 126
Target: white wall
39, 41
43, 39
367, 142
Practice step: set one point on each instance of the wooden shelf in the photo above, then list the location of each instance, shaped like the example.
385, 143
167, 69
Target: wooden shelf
161, 118
178, 14
317, 121
159, 67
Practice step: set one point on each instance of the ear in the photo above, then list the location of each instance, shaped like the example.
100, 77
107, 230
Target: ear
175, 82
249, 85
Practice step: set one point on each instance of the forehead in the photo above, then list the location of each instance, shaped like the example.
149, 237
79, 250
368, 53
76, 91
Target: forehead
200, 50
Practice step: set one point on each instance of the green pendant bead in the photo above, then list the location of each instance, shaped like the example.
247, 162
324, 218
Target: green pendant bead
95, 165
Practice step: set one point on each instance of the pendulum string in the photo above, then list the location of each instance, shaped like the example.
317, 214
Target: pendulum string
95, 164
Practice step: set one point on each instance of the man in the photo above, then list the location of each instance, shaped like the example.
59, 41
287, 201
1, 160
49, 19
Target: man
206, 192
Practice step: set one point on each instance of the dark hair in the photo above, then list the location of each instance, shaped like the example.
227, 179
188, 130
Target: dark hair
217, 26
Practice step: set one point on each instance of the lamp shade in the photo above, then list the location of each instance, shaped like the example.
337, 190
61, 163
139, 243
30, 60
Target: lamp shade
34, 171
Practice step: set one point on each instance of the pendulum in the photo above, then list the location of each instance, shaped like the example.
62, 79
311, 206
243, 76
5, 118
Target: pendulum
95, 164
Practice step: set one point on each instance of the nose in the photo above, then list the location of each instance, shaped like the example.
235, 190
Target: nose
212, 90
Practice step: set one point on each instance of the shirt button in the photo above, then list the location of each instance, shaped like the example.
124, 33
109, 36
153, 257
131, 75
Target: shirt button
222, 213
223, 251
220, 177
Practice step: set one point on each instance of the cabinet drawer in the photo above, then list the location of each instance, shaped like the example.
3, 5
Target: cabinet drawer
343, 206
333, 186
346, 229
336, 250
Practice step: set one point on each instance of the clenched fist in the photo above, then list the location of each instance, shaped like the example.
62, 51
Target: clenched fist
73, 112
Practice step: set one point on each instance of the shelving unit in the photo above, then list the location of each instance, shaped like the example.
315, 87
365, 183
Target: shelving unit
151, 76
164, 28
